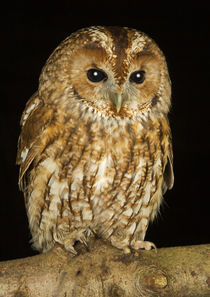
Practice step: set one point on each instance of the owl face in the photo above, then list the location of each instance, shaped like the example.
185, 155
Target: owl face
118, 71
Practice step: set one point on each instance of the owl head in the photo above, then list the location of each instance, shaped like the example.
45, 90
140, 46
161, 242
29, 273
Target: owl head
117, 71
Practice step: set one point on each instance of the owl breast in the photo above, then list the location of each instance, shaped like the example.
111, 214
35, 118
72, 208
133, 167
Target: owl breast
102, 177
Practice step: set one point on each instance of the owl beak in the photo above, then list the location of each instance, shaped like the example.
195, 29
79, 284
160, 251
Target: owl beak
117, 100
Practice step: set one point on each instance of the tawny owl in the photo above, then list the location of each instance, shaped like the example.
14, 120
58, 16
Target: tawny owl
95, 149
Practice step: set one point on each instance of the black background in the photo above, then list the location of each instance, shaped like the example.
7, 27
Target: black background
28, 36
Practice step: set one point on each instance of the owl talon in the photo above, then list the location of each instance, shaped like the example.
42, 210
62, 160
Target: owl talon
72, 250
82, 240
69, 247
147, 245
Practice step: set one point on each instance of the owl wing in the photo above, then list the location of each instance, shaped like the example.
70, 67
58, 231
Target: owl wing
168, 176
32, 123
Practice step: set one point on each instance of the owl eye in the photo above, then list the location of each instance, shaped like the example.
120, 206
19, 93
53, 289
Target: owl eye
96, 75
137, 77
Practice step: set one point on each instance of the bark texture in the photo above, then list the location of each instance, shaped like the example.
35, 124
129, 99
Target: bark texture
106, 271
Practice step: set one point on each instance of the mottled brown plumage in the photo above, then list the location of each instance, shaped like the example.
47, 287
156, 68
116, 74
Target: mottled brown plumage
95, 149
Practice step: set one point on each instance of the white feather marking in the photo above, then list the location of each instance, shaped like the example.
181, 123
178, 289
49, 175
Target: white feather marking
138, 44
24, 154
78, 205
54, 204
77, 218
106, 215
145, 211
50, 165
65, 193
94, 201
29, 110
128, 212
77, 181
139, 171
78, 173
55, 190
35, 193
132, 228
65, 213
137, 206
121, 199
56, 187
157, 165
87, 214
144, 223
102, 179
147, 194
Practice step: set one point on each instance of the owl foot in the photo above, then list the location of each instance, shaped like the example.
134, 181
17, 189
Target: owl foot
81, 236
140, 244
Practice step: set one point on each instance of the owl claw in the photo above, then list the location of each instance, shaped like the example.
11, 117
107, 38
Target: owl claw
69, 247
72, 250
140, 244
82, 240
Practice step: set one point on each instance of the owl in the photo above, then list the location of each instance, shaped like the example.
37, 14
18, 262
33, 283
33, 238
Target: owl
95, 148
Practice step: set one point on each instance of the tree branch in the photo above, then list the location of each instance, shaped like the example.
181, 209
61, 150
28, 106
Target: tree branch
106, 271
